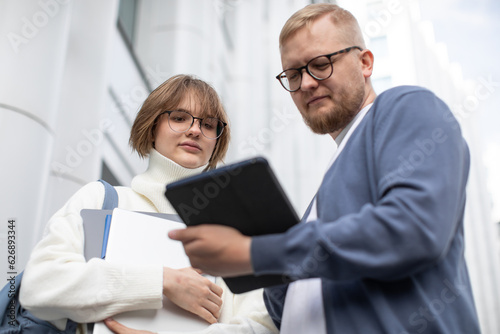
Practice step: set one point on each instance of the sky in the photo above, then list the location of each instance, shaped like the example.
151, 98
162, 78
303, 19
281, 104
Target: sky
471, 31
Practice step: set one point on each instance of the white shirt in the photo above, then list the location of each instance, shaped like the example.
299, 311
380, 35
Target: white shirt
303, 311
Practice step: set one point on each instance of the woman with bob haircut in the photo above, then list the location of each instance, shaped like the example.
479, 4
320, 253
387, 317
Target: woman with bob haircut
182, 128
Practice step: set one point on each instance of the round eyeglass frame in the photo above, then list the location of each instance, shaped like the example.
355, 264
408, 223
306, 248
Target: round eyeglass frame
282, 78
193, 118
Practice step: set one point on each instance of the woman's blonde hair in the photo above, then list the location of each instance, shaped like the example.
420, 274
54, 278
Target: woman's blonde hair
168, 96
341, 18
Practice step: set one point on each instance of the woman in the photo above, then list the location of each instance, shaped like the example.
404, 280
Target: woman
182, 128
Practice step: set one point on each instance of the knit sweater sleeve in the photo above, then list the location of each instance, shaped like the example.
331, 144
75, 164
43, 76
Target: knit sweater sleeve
58, 283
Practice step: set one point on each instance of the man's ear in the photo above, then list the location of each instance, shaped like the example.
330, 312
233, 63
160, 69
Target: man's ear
367, 58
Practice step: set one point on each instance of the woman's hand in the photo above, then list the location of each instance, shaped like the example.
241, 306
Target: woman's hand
188, 289
118, 328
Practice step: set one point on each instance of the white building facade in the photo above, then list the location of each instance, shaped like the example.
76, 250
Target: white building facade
74, 73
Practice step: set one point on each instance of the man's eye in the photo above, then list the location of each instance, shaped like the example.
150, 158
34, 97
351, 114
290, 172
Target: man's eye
294, 76
320, 66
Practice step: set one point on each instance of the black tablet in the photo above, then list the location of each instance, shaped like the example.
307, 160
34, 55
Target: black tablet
244, 195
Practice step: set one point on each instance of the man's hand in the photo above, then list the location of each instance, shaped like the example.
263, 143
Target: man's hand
216, 250
118, 328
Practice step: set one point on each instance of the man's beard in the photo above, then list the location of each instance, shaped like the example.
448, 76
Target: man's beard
338, 117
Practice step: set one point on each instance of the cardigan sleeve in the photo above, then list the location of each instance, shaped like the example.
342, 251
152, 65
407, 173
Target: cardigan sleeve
58, 283
419, 162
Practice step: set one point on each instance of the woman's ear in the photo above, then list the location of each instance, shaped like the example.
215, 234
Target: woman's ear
212, 155
153, 135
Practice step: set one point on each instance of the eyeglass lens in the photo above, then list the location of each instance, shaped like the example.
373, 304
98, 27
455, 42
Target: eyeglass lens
181, 121
320, 68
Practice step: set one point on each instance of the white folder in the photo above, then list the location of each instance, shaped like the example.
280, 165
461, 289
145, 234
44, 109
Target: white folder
142, 239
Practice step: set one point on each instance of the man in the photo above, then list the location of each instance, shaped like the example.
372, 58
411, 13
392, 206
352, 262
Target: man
380, 249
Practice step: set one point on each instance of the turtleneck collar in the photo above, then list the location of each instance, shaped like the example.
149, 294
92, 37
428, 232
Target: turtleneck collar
160, 172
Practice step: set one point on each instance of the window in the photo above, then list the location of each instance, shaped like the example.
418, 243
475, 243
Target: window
108, 176
378, 45
381, 84
126, 18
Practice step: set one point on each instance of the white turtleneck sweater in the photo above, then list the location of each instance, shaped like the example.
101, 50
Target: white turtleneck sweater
58, 283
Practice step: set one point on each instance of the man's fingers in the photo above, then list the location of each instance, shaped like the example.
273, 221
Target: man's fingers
185, 234
195, 261
177, 234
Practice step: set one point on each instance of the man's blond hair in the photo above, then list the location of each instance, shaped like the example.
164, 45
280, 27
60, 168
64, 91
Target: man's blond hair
343, 20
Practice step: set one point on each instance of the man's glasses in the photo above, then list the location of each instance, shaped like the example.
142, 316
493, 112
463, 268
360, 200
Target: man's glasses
320, 68
182, 121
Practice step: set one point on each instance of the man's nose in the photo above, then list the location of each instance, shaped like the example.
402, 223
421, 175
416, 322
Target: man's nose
308, 82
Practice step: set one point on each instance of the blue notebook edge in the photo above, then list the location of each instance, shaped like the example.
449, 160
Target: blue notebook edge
94, 229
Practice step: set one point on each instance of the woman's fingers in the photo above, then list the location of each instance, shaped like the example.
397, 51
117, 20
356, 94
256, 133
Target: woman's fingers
193, 292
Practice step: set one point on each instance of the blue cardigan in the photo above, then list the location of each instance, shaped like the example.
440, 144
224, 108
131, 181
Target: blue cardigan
388, 243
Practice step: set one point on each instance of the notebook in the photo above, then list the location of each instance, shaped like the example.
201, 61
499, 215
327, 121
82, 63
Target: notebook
140, 238
94, 229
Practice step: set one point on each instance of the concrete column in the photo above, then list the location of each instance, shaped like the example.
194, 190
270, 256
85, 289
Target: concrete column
81, 126
247, 78
173, 37
33, 40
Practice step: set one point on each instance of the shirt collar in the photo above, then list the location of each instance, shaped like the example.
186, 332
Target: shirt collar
344, 131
